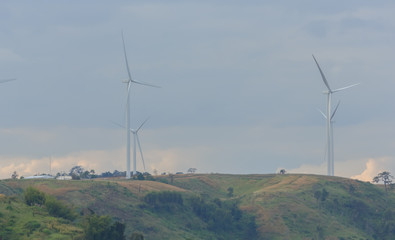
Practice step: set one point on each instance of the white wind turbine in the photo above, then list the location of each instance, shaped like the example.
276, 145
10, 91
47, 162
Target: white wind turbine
328, 120
129, 82
331, 163
136, 142
136, 139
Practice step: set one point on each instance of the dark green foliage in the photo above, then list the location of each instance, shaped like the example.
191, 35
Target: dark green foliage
230, 192
386, 178
57, 209
140, 176
324, 194
164, 200
31, 226
33, 196
224, 216
321, 195
137, 236
101, 228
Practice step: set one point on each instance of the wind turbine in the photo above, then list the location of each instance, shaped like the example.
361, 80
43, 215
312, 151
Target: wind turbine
331, 163
136, 140
328, 113
129, 82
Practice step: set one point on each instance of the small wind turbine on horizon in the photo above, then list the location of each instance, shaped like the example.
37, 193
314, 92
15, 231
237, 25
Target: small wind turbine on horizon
328, 119
331, 136
136, 140
129, 82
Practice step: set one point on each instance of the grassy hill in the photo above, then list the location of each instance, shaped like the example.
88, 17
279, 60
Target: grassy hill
277, 206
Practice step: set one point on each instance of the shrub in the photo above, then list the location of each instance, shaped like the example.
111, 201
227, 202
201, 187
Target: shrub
33, 196
57, 209
100, 228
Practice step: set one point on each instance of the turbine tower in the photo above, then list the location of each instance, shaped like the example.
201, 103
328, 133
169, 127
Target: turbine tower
136, 142
328, 120
331, 162
129, 82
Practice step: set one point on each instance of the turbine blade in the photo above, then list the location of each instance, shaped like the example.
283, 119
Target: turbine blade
146, 84
141, 151
7, 80
142, 124
340, 89
119, 125
323, 114
334, 112
322, 75
126, 58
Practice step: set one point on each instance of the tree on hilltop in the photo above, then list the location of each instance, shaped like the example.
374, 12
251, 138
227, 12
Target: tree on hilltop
384, 177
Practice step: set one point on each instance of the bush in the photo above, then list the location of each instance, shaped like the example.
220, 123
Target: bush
31, 226
101, 228
33, 196
57, 209
165, 199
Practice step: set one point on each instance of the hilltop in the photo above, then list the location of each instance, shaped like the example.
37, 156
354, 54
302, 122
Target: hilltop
268, 206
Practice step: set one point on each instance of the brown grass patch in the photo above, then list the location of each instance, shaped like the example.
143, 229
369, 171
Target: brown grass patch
56, 191
148, 186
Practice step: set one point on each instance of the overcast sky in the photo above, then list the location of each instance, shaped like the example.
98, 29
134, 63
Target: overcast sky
240, 89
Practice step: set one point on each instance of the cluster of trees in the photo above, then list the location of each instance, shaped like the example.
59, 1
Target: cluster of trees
223, 217
95, 227
164, 200
33, 197
104, 228
379, 223
78, 172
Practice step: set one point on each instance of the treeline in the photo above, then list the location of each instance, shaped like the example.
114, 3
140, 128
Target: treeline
379, 223
94, 227
78, 172
221, 217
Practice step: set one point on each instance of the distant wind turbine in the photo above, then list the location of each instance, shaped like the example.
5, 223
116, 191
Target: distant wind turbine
129, 82
136, 141
331, 162
328, 120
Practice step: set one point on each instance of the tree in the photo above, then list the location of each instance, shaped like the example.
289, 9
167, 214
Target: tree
76, 170
100, 228
57, 209
282, 171
14, 175
230, 192
33, 196
192, 170
384, 177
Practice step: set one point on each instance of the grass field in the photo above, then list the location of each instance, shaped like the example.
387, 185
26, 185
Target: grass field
285, 206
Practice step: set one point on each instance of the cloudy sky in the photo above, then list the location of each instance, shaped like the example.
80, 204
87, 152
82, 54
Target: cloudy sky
240, 89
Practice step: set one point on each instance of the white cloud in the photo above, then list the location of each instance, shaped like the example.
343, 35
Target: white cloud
375, 166
99, 160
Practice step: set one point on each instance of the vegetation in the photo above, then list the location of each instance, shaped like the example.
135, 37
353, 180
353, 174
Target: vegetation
101, 228
197, 206
384, 177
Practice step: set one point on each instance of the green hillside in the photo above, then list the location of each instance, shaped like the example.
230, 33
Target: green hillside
212, 206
